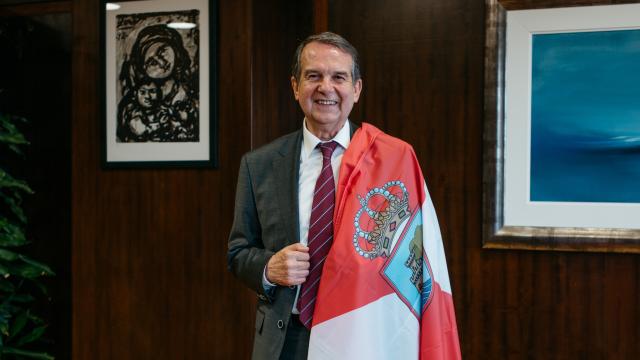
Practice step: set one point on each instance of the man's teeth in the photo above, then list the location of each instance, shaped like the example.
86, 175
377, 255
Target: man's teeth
326, 102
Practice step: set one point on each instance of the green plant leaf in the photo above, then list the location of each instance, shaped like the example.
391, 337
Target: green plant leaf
7, 255
11, 235
35, 319
32, 336
4, 328
14, 202
12, 139
44, 269
20, 270
18, 324
23, 298
9, 133
17, 291
26, 271
4, 322
26, 353
8, 181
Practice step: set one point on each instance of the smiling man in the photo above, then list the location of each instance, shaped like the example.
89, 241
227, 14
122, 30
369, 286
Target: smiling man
275, 214
326, 83
282, 242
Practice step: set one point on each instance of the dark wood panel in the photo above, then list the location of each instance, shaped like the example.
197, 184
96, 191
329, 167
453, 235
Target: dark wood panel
149, 246
422, 65
275, 111
86, 341
36, 8
320, 16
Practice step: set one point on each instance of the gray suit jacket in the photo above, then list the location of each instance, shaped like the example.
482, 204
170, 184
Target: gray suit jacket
265, 221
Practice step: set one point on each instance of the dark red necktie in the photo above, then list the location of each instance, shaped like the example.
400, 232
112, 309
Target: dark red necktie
320, 235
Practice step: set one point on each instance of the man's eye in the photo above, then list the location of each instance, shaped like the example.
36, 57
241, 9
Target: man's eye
313, 77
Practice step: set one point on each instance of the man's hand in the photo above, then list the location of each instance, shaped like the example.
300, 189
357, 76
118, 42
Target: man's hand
289, 266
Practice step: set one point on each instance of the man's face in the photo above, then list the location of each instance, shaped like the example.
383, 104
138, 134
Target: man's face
326, 91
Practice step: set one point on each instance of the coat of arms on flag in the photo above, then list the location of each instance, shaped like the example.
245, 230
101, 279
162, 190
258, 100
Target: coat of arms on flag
394, 232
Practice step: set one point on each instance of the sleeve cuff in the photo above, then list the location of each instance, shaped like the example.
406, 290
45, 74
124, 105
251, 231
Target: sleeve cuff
266, 284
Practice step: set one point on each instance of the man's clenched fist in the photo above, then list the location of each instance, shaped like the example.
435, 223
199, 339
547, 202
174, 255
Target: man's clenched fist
289, 266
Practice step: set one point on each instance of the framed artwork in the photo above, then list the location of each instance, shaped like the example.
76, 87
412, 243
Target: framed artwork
562, 127
159, 82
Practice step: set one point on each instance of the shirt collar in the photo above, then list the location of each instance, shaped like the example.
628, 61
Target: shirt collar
310, 141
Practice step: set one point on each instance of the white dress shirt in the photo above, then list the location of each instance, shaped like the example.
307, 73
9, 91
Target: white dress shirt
310, 167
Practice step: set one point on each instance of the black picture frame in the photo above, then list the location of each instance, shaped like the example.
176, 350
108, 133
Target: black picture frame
159, 84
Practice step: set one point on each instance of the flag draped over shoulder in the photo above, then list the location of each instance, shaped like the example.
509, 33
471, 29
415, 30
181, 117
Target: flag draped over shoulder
385, 291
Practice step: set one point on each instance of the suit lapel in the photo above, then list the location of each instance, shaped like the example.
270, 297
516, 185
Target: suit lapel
286, 168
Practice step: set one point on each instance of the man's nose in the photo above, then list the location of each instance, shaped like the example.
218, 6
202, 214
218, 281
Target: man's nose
325, 84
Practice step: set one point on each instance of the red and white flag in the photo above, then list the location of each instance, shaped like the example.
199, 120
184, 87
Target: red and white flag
385, 291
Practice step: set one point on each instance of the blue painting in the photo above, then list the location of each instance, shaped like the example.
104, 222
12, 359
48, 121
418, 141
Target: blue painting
585, 117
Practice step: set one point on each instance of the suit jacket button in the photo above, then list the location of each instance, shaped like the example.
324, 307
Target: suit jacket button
280, 324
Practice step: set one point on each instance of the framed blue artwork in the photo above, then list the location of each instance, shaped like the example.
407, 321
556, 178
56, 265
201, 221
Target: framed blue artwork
585, 117
562, 127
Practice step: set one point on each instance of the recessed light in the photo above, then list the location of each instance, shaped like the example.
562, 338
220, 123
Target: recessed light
181, 25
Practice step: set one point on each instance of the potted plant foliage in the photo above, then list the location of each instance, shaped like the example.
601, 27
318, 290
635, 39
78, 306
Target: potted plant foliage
21, 329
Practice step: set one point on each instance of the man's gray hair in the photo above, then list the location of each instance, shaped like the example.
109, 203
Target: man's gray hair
328, 38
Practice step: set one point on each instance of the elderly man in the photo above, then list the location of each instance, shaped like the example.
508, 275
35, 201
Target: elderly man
284, 228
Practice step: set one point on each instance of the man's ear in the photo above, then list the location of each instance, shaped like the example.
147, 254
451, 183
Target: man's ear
294, 86
357, 89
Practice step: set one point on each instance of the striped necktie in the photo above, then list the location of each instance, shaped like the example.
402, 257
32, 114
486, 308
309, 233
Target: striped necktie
320, 235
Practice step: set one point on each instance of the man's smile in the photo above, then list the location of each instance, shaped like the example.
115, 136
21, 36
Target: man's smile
326, 102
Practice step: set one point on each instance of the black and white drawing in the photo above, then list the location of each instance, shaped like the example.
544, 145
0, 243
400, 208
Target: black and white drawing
157, 69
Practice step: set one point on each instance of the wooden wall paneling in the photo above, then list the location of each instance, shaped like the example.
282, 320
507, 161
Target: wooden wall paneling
596, 325
279, 26
85, 341
35, 8
320, 16
619, 310
235, 320
149, 246
422, 65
